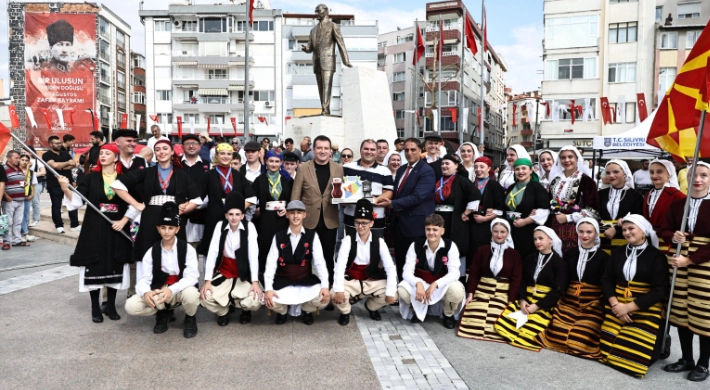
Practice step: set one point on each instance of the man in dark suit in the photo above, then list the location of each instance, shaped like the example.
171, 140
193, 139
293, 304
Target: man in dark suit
322, 43
413, 200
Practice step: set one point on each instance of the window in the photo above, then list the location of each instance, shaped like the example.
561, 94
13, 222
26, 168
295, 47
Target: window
121, 59
629, 112
405, 38
189, 48
691, 37
104, 51
139, 98
214, 119
400, 133
121, 80
105, 73
139, 62
162, 25
164, 95
568, 32
104, 28
212, 25
163, 73
187, 118
622, 73
571, 68
263, 25
217, 74
399, 114
622, 32
121, 100
665, 79
189, 25
120, 39
659, 14
688, 10
213, 48
104, 95
263, 96
399, 57
165, 118
398, 76
398, 96
300, 68
382, 44
669, 40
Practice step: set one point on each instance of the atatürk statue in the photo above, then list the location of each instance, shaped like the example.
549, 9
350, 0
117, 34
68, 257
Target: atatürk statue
322, 43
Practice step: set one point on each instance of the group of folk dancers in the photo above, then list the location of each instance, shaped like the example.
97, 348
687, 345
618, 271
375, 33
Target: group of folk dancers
555, 265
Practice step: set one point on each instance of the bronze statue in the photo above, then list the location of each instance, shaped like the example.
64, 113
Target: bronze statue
322, 43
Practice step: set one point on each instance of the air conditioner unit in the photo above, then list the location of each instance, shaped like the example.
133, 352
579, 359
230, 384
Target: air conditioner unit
268, 104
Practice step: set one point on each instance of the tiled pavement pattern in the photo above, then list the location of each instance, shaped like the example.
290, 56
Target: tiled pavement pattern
403, 354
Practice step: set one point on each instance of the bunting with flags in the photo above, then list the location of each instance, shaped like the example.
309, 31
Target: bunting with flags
674, 128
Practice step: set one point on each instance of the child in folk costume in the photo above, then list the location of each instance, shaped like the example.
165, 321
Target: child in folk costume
544, 282
288, 277
690, 311
635, 284
102, 253
169, 277
364, 269
573, 195
545, 160
493, 282
506, 178
232, 265
577, 319
658, 201
431, 274
616, 201
491, 206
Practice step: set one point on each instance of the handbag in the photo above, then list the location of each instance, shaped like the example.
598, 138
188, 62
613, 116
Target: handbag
4, 223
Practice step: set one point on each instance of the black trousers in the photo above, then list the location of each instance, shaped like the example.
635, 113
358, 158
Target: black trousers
328, 238
56, 195
401, 246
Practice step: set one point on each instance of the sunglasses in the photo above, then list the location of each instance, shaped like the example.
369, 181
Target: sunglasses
346, 156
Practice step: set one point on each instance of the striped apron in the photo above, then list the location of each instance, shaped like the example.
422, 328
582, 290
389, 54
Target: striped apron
537, 322
691, 297
480, 315
609, 245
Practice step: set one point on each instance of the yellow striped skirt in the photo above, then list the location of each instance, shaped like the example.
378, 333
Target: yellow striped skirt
480, 315
691, 296
629, 348
576, 322
537, 322
609, 245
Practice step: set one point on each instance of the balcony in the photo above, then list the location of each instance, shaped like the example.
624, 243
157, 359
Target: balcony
449, 59
105, 56
526, 132
211, 104
105, 99
196, 35
202, 81
451, 35
193, 58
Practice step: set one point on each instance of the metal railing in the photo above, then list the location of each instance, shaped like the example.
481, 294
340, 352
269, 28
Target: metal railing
210, 100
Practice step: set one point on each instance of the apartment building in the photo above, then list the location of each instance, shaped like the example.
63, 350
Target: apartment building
138, 93
522, 119
196, 68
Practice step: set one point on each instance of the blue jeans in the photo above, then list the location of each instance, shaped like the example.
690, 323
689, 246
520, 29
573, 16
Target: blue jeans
39, 188
25, 217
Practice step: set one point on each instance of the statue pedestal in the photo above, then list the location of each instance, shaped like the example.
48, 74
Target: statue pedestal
367, 113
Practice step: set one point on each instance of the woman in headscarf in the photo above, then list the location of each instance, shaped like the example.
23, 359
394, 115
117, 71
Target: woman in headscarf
215, 185
506, 178
393, 161
545, 160
616, 201
665, 191
543, 284
577, 319
469, 153
273, 191
162, 183
492, 204
455, 198
691, 299
493, 282
102, 253
573, 195
527, 205
634, 284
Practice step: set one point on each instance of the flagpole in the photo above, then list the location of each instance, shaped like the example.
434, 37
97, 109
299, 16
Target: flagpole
55, 173
483, 56
684, 223
415, 95
463, 54
440, 49
246, 71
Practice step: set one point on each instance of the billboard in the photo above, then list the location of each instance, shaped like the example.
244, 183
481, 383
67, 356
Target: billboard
60, 64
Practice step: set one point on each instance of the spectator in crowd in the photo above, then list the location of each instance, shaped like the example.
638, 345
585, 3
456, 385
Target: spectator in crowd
157, 135
97, 140
13, 201
398, 145
642, 177
207, 145
393, 161
290, 148
306, 149
68, 144
40, 172
61, 162
30, 184
252, 168
336, 153
236, 161
383, 147
237, 146
681, 169
346, 156
147, 154
291, 161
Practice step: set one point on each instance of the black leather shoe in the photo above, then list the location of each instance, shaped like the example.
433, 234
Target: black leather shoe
112, 314
666, 349
374, 315
103, 306
172, 316
308, 318
449, 322
415, 320
679, 366
190, 329
223, 320
281, 319
699, 374
161, 321
232, 309
96, 315
245, 317
330, 307
344, 319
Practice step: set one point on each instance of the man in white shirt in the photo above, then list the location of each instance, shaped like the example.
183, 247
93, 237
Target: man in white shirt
232, 266
288, 277
642, 177
431, 273
155, 129
169, 277
364, 269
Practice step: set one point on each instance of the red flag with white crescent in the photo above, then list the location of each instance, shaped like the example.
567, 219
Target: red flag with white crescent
124, 121
234, 124
97, 121
179, 124
419, 47
515, 111
14, 119
470, 37
47, 117
643, 110
4, 136
606, 110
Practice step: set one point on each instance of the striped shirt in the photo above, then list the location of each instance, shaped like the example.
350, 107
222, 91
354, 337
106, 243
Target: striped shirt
15, 186
381, 179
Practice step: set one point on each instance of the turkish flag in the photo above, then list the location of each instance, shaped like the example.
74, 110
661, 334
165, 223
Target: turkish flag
71, 116
515, 111
547, 108
470, 37
251, 13
154, 118
14, 119
208, 125
262, 119
453, 114
47, 117
179, 124
97, 121
643, 110
419, 47
606, 111
234, 125
440, 45
571, 109
124, 121
286, 119
4, 136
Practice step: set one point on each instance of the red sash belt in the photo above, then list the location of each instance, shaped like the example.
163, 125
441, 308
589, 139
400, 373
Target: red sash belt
292, 272
229, 268
426, 276
357, 272
172, 279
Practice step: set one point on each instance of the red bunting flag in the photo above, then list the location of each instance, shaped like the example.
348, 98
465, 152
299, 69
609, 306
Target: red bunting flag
179, 124
515, 112
154, 118
47, 117
643, 110
97, 121
14, 119
547, 108
234, 124
208, 124
480, 120
262, 119
287, 118
470, 37
71, 116
571, 109
4, 136
606, 111
440, 45
124, 121
453, 114
419, 47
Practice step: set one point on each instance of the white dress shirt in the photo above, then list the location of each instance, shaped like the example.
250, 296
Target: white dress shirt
251, 175
231, 244
453, 266
363, 258
169, 265
318, 259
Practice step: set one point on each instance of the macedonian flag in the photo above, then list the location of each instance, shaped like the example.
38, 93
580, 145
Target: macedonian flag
674, 129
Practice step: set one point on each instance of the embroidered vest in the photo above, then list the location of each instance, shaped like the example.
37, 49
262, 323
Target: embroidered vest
160, 277
241, 254
374, 270
422, 270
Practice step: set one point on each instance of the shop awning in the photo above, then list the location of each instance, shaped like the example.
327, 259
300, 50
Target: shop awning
213, 92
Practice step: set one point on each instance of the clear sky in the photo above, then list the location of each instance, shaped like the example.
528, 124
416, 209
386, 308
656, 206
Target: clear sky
514, 30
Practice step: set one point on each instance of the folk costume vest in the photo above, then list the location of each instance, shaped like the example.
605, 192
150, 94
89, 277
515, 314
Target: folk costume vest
160, 278
373, 271
441, 261
295, 268
237, 266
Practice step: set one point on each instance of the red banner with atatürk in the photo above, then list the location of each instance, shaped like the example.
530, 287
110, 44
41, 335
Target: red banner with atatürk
60, 67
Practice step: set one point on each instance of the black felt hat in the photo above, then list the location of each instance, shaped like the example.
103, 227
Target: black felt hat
234, 200
169, 215
290, 156
190, 136
60, 31
124, 133
364, 210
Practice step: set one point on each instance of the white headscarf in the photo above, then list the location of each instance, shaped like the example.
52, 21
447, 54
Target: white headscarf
673, 177
521, 151
558, 170
476, 153
633, 252
556, 242
624, 167
498, 249
584, 254
695, 204
644, 225
540, 170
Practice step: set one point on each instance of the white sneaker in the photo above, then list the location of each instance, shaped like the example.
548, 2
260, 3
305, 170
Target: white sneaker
76, 229
33, 223
60, 230
30, 238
